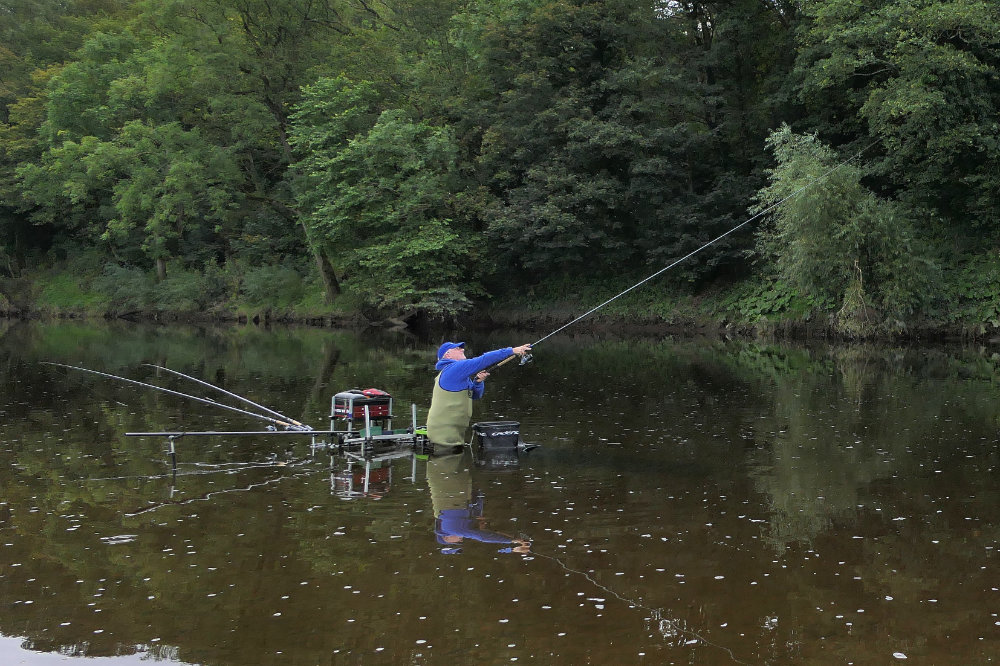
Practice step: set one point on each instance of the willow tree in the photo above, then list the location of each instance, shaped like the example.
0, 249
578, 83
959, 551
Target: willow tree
830, 237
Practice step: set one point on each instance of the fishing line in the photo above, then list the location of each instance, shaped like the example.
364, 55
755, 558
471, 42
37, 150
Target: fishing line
656, 614
711, 242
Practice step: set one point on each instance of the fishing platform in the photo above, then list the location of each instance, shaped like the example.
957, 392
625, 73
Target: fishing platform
361, 431
362, 435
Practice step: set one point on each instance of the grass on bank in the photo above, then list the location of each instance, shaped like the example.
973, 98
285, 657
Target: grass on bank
967, 301
83, 287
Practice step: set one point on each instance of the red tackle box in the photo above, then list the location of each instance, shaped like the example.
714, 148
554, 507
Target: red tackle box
351, 404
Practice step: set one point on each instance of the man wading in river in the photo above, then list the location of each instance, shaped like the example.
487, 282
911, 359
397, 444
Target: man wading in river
459, 382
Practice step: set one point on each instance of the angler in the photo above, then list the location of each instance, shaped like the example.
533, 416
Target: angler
459, 381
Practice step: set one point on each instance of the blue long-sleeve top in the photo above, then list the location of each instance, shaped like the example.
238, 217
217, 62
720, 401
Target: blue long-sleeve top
460, 375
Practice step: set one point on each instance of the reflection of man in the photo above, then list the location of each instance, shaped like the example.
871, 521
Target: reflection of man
456, 517
459, 382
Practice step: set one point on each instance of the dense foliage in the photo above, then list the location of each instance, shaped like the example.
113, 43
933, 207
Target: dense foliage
414, 156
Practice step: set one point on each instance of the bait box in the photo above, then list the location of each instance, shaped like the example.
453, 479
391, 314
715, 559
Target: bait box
496, 435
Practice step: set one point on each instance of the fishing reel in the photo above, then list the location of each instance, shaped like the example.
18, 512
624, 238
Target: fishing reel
526, 359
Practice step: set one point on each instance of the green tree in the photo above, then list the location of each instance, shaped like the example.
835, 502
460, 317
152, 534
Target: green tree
611, 137
922, 76
379, 189
36, 38
173, 126
831, 237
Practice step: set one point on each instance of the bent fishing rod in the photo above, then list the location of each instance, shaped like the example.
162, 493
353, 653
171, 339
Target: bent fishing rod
230, 394
284, 424
527, 357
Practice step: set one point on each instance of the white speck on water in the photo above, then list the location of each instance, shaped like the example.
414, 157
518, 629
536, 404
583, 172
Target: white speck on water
899, 655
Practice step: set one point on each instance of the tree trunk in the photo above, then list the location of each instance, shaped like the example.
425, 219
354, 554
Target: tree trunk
330, 283
161, 269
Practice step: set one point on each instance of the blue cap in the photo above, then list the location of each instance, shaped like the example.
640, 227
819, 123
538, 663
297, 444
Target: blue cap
448, 345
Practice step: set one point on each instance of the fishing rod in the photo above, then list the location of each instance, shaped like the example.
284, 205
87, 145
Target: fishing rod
230, 394
527, 357
206, 401
230, 433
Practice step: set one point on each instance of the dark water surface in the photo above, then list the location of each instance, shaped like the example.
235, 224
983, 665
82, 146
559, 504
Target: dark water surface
693, 501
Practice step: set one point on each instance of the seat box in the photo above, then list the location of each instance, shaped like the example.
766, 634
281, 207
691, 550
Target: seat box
351, 404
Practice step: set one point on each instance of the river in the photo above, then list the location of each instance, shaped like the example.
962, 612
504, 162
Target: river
694, 501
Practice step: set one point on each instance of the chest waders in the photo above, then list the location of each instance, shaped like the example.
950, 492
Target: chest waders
449, 416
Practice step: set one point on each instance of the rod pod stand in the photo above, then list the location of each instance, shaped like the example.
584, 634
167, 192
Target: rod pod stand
172, 450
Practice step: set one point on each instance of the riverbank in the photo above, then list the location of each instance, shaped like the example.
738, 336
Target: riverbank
748, 309
752, 308
722, 313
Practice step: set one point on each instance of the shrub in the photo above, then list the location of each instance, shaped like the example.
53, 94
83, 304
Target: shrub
127, 289
272, 286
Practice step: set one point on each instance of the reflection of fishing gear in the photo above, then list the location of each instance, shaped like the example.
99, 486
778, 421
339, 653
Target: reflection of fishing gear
294, 425
207, 496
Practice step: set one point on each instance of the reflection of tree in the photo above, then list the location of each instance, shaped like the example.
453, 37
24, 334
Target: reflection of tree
834, 444
872, 419
817, 426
